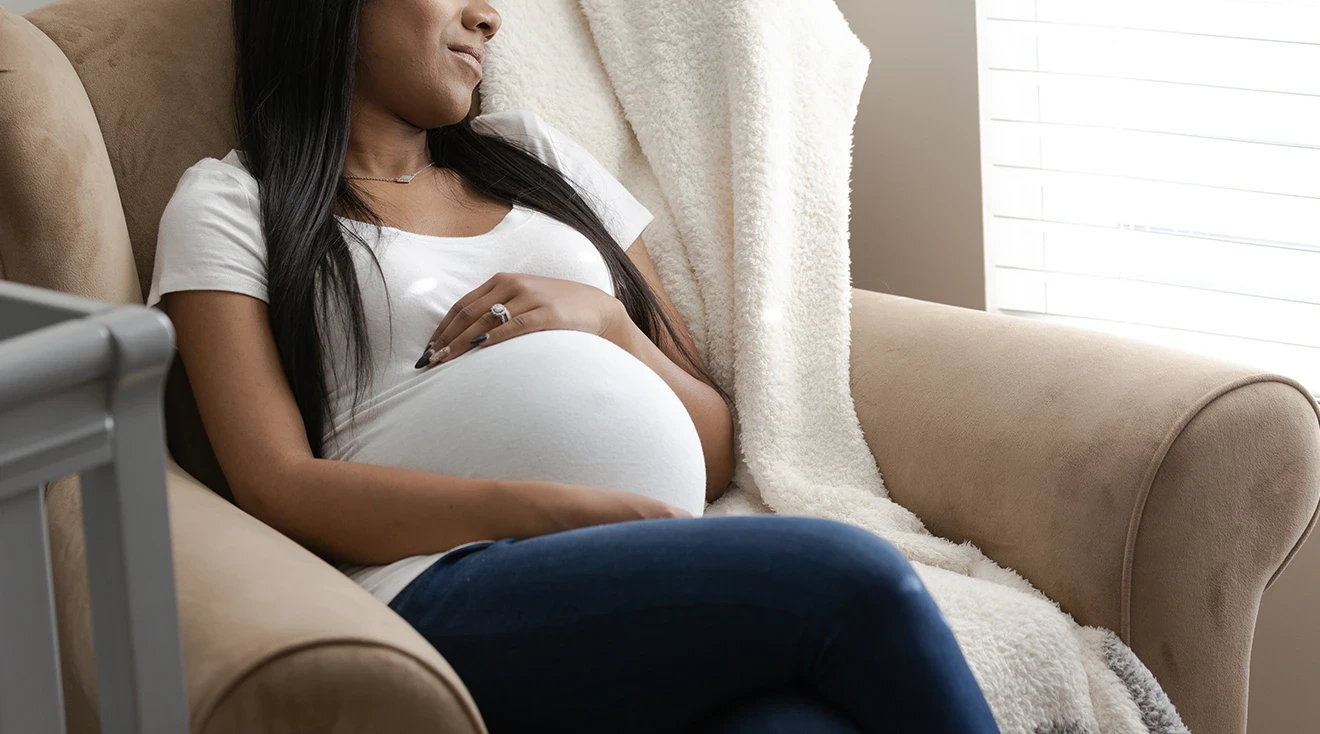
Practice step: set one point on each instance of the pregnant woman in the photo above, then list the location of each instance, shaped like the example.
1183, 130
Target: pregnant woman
434, 350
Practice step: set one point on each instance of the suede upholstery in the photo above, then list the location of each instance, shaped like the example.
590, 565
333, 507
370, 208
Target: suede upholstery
158, 74
274, 639
61, 224
1148, 491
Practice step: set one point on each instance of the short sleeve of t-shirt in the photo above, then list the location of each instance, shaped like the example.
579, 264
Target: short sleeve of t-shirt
210, 234
623, 215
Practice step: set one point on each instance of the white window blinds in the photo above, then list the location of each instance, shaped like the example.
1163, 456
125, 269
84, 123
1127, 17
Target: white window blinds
1152, 169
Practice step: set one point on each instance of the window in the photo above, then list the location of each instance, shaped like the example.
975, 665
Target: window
1152, 169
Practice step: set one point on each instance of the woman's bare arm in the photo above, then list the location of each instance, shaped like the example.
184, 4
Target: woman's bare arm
710, 414
360, 513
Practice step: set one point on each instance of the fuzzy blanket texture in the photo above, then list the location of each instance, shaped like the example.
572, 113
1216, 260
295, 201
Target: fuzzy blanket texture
733, 123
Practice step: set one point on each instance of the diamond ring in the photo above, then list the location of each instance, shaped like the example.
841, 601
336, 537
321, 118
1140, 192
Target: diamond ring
500, 312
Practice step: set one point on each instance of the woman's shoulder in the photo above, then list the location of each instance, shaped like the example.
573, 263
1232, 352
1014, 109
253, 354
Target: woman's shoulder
212, 175
210, 233
215, 182
213, 196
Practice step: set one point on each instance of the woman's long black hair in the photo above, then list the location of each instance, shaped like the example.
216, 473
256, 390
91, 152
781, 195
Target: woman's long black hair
293, 95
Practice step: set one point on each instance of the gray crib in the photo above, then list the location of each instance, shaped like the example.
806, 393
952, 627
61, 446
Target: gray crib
81, 385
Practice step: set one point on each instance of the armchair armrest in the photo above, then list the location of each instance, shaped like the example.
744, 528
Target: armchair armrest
274, 639
1146, 490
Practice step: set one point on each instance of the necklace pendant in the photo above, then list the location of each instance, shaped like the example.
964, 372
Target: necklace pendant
405, 179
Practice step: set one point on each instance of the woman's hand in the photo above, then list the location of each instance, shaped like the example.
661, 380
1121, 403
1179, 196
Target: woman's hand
601, 506
554, 507
536, 303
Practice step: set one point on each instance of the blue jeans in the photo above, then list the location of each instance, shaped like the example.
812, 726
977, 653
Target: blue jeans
746, 625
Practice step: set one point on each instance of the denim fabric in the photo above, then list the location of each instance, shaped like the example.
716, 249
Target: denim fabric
721, 625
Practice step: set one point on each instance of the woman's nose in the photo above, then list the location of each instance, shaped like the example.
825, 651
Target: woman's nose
480, 16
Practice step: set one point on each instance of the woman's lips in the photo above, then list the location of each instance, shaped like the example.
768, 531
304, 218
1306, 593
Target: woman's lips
471, 57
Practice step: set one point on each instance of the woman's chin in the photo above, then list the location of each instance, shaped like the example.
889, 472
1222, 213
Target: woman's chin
450, 108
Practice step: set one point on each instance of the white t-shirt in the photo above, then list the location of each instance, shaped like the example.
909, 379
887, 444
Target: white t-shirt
563, 406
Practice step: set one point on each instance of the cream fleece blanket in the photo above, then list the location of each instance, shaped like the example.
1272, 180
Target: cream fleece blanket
732, 121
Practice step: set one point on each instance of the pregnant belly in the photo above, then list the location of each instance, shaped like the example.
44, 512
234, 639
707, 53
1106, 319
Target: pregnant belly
562, 406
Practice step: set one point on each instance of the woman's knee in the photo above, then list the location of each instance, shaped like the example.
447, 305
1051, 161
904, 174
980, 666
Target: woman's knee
868, 584
842, 565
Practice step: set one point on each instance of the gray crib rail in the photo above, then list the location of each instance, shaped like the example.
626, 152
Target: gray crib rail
81, 385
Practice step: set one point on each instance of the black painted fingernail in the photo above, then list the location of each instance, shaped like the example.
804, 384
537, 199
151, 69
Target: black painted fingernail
424, 360
479, 339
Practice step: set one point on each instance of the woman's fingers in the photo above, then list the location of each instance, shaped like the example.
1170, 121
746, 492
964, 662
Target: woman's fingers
482, 334
449, 346
461, 317
442, 345
534, 302
467, 308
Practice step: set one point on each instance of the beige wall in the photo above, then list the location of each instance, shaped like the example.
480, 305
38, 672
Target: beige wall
1285, 656
916, 223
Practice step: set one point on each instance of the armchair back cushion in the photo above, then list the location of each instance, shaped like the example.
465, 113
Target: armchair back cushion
158, 77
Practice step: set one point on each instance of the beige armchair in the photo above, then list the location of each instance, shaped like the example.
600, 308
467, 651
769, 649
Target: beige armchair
1148, 491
